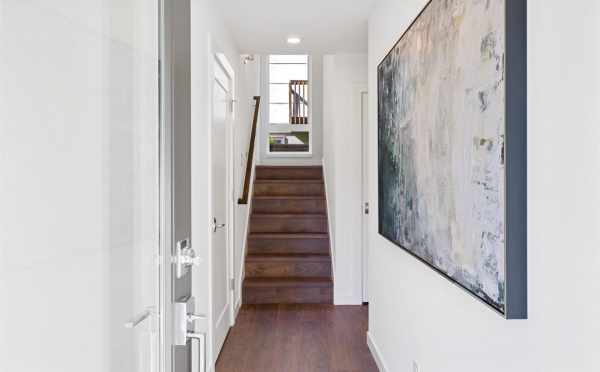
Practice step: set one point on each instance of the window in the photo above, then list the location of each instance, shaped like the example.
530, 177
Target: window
289, 115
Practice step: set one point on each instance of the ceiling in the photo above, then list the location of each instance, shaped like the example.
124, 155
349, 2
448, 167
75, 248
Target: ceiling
325, 26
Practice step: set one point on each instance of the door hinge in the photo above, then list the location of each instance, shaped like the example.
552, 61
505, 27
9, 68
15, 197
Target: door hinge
232, 284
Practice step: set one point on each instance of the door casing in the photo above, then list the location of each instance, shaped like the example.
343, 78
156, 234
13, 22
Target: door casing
364, 127
219, 59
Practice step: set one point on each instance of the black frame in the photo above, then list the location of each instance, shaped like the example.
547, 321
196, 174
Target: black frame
515, 153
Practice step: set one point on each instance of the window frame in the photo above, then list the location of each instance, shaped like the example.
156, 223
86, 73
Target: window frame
281, 127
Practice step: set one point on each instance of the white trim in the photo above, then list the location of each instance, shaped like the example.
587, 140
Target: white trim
216, 58
165, 281
209, 259
381, 365
238, 300
329, 225
345, 299
359, 90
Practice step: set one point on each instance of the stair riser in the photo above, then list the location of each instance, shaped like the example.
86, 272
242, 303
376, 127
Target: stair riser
287, 269
288, 225
304, 295
288, 188
312, 206
297, 173
259, 245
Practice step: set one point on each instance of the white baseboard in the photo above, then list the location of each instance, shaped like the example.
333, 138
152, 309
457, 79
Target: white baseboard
376, 353
236, 308
329, 225
345, 300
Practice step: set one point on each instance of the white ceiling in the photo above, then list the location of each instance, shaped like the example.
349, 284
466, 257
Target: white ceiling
325, 26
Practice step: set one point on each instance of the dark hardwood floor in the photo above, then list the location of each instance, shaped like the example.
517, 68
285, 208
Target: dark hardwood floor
298, 338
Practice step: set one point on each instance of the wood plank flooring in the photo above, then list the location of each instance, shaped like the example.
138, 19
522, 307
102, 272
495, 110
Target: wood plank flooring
298, 338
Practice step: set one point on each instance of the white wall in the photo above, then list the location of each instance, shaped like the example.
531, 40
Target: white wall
78, 191
344, 77
415, 314
249, 87
316, 81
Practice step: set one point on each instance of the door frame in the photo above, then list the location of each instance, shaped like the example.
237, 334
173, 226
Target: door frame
165, 149
360, 94
216, 57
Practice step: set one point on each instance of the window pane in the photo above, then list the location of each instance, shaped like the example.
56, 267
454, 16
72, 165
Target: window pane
288, 58
289, 142
279, 113
279, 93
285, 73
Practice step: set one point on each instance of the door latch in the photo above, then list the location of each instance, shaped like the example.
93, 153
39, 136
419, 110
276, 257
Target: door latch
184, 329
366, 207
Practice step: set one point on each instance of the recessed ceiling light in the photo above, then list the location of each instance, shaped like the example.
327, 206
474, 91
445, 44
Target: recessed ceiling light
293, 40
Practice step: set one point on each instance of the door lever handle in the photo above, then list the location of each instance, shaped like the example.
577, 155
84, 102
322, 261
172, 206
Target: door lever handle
193, 317
217, 225
133, 322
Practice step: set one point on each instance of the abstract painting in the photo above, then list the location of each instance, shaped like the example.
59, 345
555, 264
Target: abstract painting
441, 150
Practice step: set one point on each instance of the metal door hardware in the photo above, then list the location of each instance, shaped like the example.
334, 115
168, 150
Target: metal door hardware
133, 322
217, 225
184, 258
184, 329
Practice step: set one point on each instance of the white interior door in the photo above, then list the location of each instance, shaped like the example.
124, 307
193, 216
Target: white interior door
79, 190
220, 267
365, 190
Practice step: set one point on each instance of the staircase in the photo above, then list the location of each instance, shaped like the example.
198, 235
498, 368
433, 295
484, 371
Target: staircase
288, 259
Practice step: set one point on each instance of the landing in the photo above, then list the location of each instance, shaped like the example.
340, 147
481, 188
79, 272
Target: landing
298, 338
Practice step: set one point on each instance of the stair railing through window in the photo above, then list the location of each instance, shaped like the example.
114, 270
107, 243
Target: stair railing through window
298, 101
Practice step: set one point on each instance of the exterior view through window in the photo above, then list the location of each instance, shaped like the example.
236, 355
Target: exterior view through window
289, 114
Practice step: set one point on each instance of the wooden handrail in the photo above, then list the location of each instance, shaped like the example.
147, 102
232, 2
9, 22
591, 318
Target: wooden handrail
244, 198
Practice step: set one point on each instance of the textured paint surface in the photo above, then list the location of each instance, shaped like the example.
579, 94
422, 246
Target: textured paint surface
441, 143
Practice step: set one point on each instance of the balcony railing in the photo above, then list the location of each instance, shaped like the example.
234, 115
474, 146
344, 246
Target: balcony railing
298, 101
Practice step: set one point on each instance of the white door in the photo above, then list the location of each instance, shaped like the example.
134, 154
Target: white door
221, 296
365, 190
79, 190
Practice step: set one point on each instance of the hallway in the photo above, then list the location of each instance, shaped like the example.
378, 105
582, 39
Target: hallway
278, 338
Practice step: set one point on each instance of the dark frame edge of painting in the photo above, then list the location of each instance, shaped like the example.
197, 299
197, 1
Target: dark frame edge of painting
516, 290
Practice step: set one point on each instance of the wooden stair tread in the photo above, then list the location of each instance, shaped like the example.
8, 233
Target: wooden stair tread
288, 282
289, 172
289, 215
296, 257
288, 236
316, 167
288, 180
289, 197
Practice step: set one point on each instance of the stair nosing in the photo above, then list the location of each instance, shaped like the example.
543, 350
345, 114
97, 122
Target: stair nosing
289, 215
288, 235
288, 197
288, 180
290, 166
300, 257
294, 282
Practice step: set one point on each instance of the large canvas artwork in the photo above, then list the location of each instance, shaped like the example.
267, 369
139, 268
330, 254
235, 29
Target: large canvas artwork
442, 142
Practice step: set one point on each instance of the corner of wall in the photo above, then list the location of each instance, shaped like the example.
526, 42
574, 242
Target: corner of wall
381, 365
330, 226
